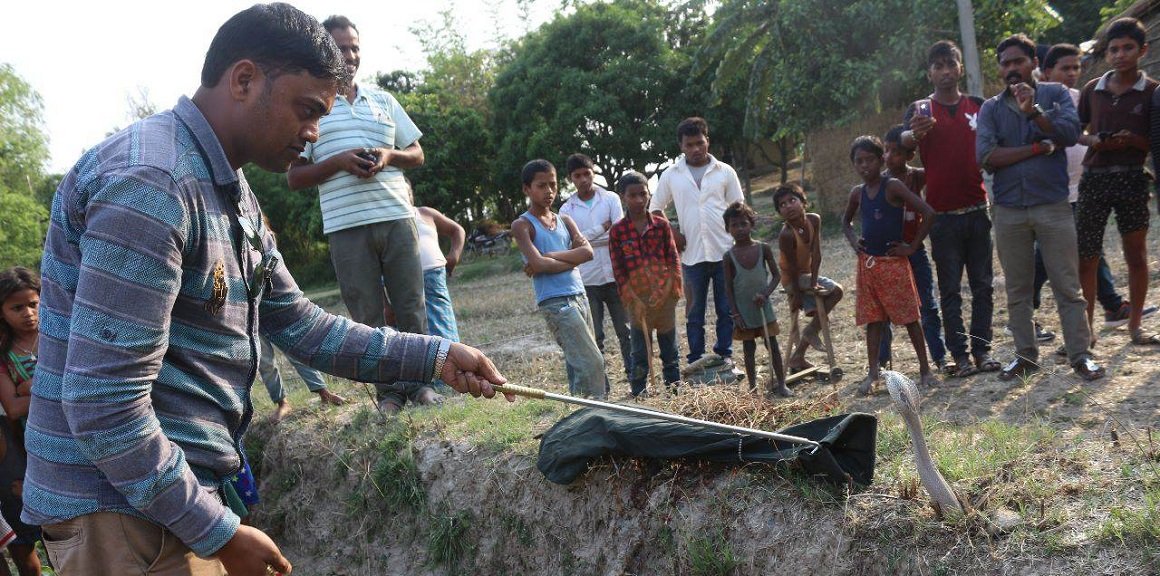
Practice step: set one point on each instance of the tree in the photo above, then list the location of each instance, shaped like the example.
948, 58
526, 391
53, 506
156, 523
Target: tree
603, 81
23, 224
295, 217
23, 145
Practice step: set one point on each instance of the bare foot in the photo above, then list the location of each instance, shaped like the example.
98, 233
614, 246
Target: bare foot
327, 397
781, 390
280, 412
799, 365
928, 380
428, 397
389, 407
866, 386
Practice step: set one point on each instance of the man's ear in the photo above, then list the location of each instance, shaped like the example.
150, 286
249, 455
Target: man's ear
243, 77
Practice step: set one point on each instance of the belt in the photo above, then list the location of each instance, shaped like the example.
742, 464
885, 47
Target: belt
967, 210
1113, 169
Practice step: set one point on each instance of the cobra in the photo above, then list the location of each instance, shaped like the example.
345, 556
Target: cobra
906, 400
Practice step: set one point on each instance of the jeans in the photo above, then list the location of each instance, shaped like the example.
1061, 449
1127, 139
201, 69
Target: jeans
663, 322
1053, 227
440, 313
571, 324
958, 242
931, 323
606, 296
697, 280
272, 376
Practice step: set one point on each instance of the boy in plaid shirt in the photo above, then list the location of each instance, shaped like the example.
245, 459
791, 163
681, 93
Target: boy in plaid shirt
648, 277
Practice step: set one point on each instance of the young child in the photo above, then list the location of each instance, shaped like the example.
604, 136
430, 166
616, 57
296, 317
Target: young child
648, 277
552, 247
750, 278
800, 258
19, 341
914, 179
886, 289
1114, 111
437, 267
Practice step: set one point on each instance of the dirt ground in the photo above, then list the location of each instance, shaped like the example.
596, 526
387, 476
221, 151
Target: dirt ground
629, 518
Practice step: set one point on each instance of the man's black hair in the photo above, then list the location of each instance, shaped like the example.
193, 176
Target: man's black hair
692, 126
279, 38
337, 22
1019, 40
867, 143
894, 135
1126, 28
578, 161
1058, 52
943, 50
535, 167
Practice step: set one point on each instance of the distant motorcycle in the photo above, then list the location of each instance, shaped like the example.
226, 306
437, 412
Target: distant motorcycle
483, 243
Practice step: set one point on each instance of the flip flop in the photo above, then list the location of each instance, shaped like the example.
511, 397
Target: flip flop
964, 368
1142, 338
988, 364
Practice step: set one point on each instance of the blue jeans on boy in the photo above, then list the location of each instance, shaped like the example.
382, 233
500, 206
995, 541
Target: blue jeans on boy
440, 314
667, 342
697, 280
606, 296
958, 242
570, 322
931, 323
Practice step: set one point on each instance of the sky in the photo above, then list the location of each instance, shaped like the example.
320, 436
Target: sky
87, 59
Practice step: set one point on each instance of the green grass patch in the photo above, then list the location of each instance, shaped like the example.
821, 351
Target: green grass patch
712, 555
448, 542
493, 424
396, 475
487, 266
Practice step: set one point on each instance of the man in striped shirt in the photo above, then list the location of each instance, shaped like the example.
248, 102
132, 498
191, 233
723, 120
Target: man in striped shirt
158, 277
363, 146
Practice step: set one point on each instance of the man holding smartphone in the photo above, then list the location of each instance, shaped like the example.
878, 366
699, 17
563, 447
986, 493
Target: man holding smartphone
367, 213
942, 126
1023, 132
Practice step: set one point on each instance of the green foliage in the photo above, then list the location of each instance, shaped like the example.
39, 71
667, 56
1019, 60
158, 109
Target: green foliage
1080, 20
23, 146
296, 219
447, 542
1137, 524
396, 474
602, 80
23, 224
712, 555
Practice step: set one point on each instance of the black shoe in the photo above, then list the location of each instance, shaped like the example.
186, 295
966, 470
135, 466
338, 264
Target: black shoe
1088, 370
1019, 368
1042, 335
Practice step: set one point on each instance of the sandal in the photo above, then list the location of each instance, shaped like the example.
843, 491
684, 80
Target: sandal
1142, 338
964, 368
986, 363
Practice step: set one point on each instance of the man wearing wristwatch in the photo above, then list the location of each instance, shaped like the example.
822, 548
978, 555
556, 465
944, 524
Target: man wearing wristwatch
942, 126
1022, 133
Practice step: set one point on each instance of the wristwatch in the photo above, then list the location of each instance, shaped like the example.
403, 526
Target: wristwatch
1035, 112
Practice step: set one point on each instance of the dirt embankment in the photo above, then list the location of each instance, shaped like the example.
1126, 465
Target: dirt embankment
345, 494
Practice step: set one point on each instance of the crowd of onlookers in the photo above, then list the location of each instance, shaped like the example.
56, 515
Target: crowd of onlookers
126, 388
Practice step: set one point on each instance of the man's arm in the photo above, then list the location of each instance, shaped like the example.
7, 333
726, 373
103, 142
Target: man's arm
451, 229
1063, 120
990, 154
733, 192
304, 173
409, 157
596, 228
581, 250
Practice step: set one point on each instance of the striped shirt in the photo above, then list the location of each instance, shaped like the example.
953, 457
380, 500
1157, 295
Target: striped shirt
149, 334
374, 120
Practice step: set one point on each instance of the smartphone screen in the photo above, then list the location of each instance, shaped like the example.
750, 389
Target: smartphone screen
924, 107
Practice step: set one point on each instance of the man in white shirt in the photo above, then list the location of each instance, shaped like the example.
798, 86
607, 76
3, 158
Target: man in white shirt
595, 210
701, 187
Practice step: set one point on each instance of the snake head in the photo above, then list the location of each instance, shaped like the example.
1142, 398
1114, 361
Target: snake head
902, 390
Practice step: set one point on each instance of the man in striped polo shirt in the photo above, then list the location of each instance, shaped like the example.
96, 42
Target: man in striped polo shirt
158, 277
363, 146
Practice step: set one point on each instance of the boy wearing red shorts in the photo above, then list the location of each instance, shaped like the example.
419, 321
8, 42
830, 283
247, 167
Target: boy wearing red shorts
886, 291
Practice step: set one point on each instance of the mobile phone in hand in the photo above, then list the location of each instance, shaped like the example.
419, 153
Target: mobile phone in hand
924, 107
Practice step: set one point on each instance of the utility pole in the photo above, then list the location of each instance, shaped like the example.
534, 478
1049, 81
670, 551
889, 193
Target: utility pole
970, 48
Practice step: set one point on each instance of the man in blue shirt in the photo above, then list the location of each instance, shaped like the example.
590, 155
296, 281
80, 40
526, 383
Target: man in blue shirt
1021, 136
150, 339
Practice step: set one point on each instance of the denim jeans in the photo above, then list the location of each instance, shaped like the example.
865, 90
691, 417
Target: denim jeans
958, 242
663, 322
1053, 227
697, 280
440, 313
272, 376
606, 296
931, 322
571, 324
